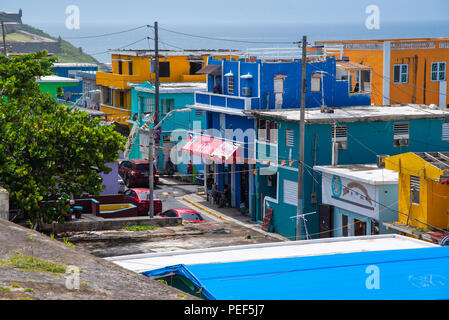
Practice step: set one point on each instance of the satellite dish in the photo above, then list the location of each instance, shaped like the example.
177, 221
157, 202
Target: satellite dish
67, 95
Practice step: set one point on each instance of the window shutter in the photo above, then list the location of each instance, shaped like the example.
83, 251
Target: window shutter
339, 133
401, 130
445, 132
290, 138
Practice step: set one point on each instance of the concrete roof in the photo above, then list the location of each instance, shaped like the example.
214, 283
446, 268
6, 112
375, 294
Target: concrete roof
176, 87
355, 114
315, 247
54, 78
367, 173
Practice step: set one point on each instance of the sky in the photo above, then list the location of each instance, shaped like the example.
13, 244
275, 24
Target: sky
137, 12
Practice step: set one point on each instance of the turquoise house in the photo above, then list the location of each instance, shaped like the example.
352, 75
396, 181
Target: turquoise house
344, 136
172, 96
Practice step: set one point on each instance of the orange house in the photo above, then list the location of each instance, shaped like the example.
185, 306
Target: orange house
403, 70
132, 67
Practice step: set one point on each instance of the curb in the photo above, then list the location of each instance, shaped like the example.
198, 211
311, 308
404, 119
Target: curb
205, 209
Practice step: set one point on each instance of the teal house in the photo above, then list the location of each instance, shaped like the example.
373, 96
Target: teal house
172, 96
342, 136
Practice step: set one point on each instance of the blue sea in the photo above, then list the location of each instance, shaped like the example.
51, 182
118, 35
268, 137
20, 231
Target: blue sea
269, 33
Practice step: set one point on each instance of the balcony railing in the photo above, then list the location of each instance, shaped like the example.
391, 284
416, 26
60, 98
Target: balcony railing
227, 101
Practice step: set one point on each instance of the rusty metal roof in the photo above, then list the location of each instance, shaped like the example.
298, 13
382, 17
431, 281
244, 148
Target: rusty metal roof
213, 69
351, 66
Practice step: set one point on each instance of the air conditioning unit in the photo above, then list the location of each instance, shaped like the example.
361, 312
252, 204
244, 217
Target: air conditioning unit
401, 142
246, 91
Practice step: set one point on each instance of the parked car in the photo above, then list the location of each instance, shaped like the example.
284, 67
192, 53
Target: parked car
140, 197
135, 172
187, 215
121, 185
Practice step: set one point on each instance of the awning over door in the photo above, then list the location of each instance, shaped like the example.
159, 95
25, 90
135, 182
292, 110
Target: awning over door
215, 149
212, 69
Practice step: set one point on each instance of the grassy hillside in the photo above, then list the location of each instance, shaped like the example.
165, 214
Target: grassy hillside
69, 53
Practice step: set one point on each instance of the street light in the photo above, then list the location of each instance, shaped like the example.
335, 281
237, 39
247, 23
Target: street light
151, 156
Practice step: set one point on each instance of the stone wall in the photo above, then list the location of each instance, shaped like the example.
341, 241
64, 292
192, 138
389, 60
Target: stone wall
4, 204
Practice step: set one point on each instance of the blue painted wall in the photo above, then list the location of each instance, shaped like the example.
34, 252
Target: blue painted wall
63, 71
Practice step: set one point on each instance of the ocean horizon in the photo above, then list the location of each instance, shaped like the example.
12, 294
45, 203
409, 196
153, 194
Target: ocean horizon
257, 35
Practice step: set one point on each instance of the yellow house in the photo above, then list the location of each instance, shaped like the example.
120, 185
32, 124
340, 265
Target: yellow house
131, 67
403, 70
423, 190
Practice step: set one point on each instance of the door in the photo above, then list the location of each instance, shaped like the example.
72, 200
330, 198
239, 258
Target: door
326, 221
359, 228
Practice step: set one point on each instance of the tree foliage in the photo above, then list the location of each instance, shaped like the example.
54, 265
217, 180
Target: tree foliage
47, 151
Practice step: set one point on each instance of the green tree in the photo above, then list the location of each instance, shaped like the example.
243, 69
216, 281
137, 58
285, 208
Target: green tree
47, 151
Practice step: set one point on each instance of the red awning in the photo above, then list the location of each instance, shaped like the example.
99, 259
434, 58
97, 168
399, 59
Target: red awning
215, 149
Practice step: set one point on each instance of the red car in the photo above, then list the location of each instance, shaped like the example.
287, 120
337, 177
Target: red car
140, 198
135, 172
187, 215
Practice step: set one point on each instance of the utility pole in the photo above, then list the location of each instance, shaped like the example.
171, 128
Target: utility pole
299, 216
156, 71
155, 122
4, 38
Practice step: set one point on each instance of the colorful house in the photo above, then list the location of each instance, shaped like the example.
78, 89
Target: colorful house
423, 191
356, 200
55, 85
404, 70
69, 70
352, 135
172, 96
131, 67
237, 87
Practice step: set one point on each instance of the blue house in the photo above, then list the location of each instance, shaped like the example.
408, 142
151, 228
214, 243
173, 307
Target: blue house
69, 70
344, 136
235, 88
172, 96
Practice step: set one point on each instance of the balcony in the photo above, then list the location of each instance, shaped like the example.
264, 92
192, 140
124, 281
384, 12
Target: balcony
227, 101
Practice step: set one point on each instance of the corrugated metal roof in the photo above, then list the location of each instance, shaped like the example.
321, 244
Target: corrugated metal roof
213, 69
351, 66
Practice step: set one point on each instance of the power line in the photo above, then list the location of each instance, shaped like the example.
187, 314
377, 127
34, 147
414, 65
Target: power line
224, 39
137, 41
106, 34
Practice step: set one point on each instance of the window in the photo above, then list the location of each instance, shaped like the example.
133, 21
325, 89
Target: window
271, 131
164, 69
130, 68
400, 73
278, 85
445, 132
344, 223
290, 138
438, 71
107, 95
315, 83
414, 189
167, 105
262, 129
340, 136
170, 213
146, 105
401, 133
120, 67
122, 98
231, 85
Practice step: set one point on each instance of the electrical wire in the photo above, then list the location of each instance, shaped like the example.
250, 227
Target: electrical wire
106, 34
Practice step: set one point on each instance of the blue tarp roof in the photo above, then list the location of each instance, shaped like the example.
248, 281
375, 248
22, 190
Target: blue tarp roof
402, 275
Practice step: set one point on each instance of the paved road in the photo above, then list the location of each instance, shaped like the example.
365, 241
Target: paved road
172, 193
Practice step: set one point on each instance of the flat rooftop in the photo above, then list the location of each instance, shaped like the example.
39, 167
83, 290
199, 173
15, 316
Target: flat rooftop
316, 247
355, 114
367, 173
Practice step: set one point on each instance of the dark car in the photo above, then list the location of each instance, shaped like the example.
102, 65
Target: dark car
140, 197
135, 172
187, 215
